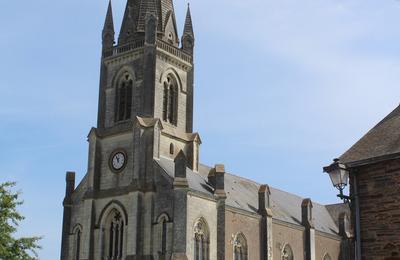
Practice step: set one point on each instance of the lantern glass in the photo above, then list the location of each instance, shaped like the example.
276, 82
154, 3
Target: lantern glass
344, 177
339, 176
335, 177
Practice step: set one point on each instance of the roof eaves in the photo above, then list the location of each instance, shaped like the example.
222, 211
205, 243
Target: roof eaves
372, 160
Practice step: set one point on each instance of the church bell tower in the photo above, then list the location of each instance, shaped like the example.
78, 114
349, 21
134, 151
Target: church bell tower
147, 73
145, 113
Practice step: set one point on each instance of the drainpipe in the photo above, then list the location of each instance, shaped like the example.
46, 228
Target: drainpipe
358, 229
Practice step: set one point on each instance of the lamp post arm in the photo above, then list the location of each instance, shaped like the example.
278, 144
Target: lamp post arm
345, 198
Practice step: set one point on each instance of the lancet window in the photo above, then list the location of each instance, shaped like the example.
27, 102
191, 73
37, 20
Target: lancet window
201, 241
163, 227
170, 100
240, 247
327, 257
114, 236
124, 97
78, 236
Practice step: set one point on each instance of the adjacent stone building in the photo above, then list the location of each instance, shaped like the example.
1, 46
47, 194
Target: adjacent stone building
374, 167
147, 196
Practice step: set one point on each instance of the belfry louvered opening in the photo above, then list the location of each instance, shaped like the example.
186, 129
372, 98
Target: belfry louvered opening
170, 100
124, 97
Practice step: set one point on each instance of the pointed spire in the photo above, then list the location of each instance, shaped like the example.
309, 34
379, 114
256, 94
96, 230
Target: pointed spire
146, 8
166, 10
108, 29
188, 34
128, 27
188, 30
134, 21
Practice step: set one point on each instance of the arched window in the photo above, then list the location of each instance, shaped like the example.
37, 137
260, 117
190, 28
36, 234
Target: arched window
77, 239
327, 257
287, 253
113, 236
164, 237
170, 100
201, 241
124, 97
163, 221
240, 247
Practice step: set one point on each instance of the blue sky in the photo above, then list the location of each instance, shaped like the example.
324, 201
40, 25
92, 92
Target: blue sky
282, 87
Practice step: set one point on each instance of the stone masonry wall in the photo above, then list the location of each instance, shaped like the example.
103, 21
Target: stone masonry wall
206, 209
287, 234
110, 179
166, 141
133, 64
326, 245
163, 69
249, 226
379, 197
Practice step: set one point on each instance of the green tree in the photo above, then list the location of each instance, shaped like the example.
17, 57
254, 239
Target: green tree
12, 248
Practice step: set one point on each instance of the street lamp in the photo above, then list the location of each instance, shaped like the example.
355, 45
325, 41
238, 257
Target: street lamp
340, 177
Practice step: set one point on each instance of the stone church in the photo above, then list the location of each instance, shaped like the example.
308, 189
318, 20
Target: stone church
146, 194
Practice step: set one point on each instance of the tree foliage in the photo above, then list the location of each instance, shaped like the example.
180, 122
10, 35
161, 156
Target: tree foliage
12, 248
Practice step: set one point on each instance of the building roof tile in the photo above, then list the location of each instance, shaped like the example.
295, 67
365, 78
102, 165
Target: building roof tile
243, 195
380, 141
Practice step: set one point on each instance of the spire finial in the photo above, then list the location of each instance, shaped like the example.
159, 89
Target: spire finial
108, 29
188, 34
188, 29
109, 23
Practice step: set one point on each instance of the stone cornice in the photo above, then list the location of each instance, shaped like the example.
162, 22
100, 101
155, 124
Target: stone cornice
122, 57
168, 57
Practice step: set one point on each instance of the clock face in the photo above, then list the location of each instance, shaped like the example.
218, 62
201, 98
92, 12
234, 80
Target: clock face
118, 161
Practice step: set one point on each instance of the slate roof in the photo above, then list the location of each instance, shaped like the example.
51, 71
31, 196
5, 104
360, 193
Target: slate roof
382, 140
136, 11
243, 194
336, 209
